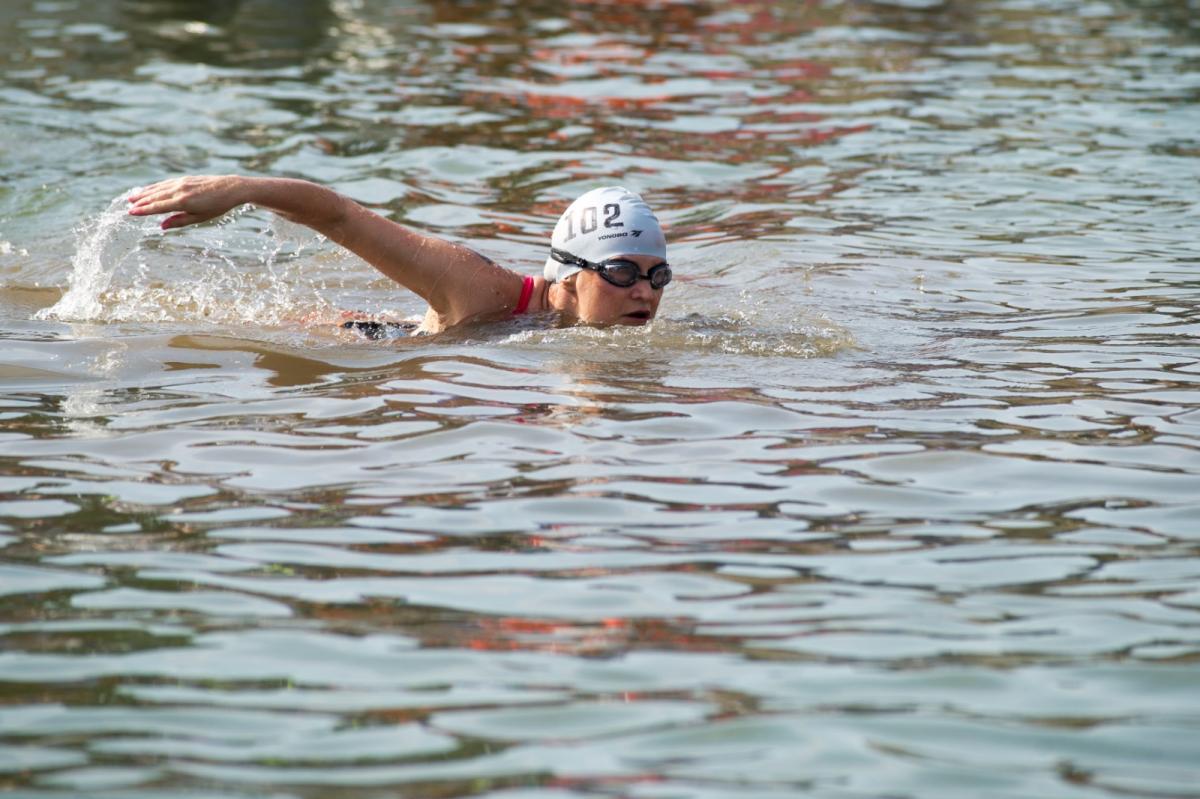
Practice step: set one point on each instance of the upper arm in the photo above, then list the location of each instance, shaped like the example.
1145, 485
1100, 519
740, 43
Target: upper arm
457, 282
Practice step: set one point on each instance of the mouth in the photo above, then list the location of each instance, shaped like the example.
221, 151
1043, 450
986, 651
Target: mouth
636, 318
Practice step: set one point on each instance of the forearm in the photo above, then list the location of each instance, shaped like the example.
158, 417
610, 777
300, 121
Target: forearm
393, 249
455, 280
194, 199
317, 207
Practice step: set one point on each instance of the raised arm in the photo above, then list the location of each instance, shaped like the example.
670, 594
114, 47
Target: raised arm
457, 282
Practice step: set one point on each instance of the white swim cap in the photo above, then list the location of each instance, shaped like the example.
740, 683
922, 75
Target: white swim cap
602, 224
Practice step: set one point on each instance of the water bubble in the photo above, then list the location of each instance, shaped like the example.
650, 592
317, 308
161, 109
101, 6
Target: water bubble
737, 332
105, 244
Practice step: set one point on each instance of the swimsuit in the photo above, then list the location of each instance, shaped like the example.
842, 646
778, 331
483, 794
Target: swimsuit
526, 293
377, 330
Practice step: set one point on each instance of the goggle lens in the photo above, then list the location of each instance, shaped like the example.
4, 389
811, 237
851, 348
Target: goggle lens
620, 272
623, 274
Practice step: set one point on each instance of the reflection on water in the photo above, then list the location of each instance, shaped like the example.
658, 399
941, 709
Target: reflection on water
898, 497
251, 33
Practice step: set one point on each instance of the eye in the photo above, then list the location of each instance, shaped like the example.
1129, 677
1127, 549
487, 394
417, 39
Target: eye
623, 272
660, 276
624, 266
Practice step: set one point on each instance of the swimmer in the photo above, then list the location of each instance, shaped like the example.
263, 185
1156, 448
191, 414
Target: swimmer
607, 263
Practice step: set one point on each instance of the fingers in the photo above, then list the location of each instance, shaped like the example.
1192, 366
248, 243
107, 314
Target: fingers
155, 200
180, 220
160, 204
151, 206
174, 196
190, 200
140, 193
155, 189
164, 196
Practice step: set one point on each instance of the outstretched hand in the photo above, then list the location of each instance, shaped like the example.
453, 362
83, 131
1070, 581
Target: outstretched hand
189, 200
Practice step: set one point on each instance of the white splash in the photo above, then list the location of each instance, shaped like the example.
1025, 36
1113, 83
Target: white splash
734, 332
104, 245
126, 270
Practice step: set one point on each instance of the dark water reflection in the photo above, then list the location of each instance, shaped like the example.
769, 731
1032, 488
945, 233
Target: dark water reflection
899, 497
249, 33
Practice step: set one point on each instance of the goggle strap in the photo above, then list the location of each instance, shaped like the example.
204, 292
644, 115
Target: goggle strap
603, 268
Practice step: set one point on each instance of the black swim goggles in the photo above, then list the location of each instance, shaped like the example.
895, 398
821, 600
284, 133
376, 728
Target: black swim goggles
620, 272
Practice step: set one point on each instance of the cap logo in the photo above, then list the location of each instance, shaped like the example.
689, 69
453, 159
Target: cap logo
636, 233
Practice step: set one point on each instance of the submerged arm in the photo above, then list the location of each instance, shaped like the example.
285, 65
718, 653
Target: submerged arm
457, 282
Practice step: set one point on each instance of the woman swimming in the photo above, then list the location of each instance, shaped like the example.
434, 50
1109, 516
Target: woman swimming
607, 262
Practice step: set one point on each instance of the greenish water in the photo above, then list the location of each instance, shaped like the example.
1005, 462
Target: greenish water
899, 497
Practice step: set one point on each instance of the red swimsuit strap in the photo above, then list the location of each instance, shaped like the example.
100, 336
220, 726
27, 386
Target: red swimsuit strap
526, 293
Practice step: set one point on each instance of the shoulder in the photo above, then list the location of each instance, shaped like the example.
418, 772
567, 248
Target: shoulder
489, 292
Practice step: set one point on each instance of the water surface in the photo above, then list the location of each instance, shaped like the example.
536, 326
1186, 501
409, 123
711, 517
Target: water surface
900, 495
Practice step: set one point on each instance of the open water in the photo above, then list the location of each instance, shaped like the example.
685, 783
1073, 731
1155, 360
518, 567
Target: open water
900, 496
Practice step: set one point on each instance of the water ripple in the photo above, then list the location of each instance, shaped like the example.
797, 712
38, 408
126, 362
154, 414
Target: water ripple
896, 497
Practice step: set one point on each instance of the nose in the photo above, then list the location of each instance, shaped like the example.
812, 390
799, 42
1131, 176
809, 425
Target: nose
641, 290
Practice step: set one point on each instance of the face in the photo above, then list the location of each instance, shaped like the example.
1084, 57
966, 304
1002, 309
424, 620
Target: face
600, 302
